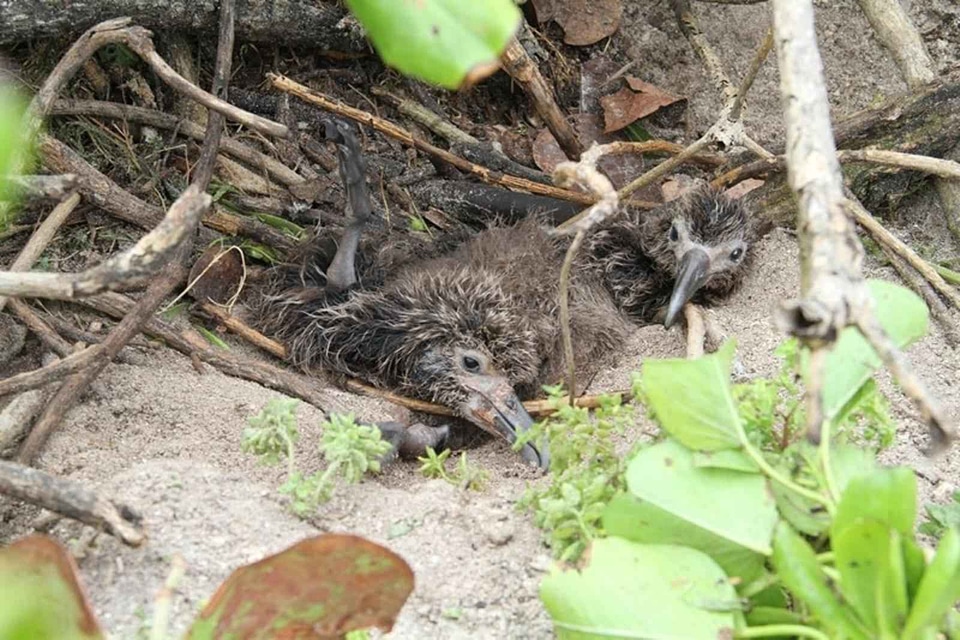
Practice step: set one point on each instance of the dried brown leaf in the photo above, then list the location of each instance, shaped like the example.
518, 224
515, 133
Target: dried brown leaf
319, 588
584, 22
637, 100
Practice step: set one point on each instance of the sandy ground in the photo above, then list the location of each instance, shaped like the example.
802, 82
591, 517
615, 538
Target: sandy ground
162, 437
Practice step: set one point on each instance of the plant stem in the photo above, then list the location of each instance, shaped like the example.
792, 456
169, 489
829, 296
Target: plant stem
825, 558
949, 275
775, 475
765, 581
161, 612
828, 479
771, 630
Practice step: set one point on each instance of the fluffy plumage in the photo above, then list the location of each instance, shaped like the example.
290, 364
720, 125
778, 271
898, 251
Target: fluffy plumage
423, 313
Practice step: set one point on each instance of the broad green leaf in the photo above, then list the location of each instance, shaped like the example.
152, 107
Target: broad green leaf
733, 459
692, 400
797, 565
444, 42
761, 616
885, 495
320, 587
939, 589
41, 594
630, 590
914, 564
852, 361
869, 559
12, 151
640, 521
808, 516
733, 505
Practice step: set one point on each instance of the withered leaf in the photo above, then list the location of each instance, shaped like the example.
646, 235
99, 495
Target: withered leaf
317, 589
584, 22
637, 100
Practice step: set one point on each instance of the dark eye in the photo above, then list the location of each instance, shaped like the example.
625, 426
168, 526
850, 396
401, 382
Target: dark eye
471, 364
736, 253
674, 235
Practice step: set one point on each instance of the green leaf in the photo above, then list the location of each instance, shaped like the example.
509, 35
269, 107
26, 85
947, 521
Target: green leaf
797, 565
641, 521
852, 361
886, 495
12, 150
692, 399
914, 564
629, 590
733, 505
42, 596
869, 558
444, 42
732, 459
939, 589
323, 586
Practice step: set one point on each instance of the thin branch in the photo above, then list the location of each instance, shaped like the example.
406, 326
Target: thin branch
138, 39
147, 256
398, 133
585, 174
42, 237
516, 61
114, 110
690, 27
883, 236
696, 330
40, 187
758, 59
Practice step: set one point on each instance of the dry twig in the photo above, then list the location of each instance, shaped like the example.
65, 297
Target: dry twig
516, 61
834, 294
398, 133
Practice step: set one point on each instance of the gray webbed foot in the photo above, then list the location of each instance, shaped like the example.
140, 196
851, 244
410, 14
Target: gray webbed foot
411, 441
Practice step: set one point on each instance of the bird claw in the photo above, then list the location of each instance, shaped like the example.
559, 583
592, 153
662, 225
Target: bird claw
411, 441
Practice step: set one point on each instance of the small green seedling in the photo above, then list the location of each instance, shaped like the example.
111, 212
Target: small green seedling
941, 517
350, 451
585, 471
466, 476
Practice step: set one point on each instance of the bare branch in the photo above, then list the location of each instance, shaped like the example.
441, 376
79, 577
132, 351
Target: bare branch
516, 61
144, 258
902, 40
42, 237
758, 59
71, 499
37, 187
834, 294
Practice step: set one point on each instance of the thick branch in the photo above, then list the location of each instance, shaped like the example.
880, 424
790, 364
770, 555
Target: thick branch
71, 499
311, 23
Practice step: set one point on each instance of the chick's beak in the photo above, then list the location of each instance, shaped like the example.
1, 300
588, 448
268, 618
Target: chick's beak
493, 405
694, 267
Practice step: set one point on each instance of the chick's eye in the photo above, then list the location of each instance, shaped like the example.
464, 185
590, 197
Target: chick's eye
736, 254
471, 364
674, 235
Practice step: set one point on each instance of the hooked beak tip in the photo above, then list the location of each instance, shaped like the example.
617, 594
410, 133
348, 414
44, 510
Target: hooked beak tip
690, 277
501, 413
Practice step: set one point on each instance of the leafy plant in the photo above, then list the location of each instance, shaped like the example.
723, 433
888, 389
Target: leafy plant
726, 529
350, 451
15, 156
941, 517
328, 586
466, 476
585, 471
445, 42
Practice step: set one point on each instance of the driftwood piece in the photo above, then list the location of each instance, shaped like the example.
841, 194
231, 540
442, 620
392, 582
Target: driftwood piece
295, 22
71, 499
923, 122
